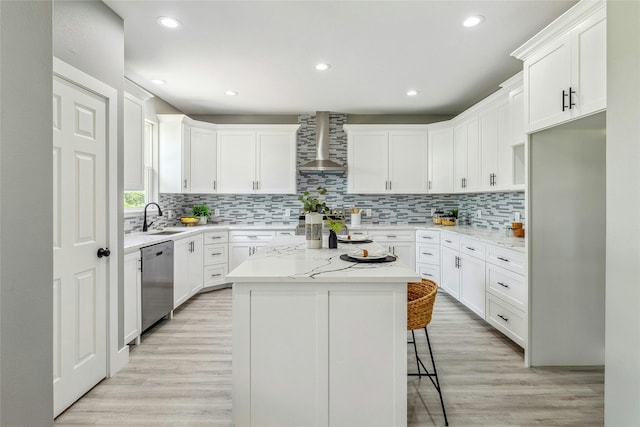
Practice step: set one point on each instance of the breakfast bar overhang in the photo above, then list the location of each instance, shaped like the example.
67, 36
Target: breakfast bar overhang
319, 341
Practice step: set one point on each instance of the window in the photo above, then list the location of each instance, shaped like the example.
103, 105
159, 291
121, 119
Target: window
135, 200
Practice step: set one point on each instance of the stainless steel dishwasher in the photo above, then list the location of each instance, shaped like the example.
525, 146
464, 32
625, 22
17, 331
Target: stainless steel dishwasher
157, 282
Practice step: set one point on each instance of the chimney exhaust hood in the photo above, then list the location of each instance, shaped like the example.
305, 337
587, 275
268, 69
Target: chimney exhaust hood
322, 162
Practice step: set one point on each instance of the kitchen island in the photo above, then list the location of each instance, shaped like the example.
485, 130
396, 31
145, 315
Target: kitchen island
319, 341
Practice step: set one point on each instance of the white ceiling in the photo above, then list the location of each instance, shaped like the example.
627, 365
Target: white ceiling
266, 51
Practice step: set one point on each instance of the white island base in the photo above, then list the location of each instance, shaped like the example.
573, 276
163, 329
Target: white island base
318, 341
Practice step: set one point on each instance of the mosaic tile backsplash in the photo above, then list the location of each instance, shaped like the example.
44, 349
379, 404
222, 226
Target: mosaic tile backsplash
498, 209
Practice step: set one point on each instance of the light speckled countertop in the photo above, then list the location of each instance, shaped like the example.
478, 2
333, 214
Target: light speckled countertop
135, 241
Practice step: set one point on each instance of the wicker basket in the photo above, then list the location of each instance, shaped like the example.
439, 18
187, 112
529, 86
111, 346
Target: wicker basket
420, 299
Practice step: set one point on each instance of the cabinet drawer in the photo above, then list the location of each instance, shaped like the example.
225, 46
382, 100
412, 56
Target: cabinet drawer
472, 247
511, 260
251, 236
216, 254
428, 253
427, 236
431, 272
508, 285
213, 237
506, 318
450, 240
215, 274
285, 233
392, 236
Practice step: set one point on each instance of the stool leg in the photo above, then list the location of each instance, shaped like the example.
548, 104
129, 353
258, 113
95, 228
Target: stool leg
435, 374
415, 349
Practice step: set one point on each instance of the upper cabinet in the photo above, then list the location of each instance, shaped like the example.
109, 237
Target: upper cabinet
257, 159
565, 68
133, 143
387, 159
187, 155
441, 152
466, 152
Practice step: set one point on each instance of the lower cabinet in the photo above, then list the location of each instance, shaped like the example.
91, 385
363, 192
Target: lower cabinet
243, 244
450, 275
216, 257
472, 283
399, 243
428, 255
187, 268
131, 296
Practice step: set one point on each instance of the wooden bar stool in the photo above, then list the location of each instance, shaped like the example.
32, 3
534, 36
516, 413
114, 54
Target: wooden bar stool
420, 299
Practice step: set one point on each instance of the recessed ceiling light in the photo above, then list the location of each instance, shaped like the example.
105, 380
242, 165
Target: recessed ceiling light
158, 81
322, 66
412, 92
472, 21
231, 93
168, 22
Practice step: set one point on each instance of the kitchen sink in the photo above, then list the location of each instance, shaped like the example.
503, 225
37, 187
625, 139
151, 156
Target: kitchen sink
165, 233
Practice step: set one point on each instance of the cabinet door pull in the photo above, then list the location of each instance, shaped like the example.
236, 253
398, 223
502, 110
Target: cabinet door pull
185, 184
216, 253
427, 237
253, 185
215, 237
391, 237
427, 253
257, 185
564, 95
428, 275
214, 185
429, 184
216, 275
503, 259
503, 285
506, 319
571, 93
448, 241
389, 185
139, 264
470, 248
386, 185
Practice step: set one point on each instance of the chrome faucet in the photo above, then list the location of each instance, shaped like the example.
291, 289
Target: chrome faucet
146, 226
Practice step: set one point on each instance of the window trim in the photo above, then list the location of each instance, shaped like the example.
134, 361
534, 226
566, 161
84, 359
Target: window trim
150, 168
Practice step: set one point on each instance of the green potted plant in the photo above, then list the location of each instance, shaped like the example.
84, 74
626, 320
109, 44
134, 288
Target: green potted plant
202, 212
313, 206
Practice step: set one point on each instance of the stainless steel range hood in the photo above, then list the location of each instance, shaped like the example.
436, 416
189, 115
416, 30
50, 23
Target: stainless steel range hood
322, 162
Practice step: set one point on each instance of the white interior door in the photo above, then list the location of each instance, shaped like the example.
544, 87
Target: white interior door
80, 229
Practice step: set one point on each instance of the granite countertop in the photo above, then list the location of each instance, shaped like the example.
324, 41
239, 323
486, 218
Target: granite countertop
487, 236
289, 261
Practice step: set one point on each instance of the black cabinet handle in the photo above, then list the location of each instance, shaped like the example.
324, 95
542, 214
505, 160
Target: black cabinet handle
216, 275
470, 248
216, 253
506, 319
571, 93
564, 95
503, 259
103, 252
503, 285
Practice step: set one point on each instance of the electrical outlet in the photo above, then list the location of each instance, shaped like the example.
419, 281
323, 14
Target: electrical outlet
287, 213
170, 214
368, 212
433, 211
479, 213
216, 212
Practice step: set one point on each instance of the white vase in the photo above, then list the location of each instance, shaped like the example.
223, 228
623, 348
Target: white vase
203, 220
313, 229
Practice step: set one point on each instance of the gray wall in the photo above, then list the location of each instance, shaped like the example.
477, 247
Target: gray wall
90, 36
622, 373
26, 254
567, 243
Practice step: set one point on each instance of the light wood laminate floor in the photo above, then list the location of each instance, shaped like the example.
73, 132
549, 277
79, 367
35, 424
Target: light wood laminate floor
181, 376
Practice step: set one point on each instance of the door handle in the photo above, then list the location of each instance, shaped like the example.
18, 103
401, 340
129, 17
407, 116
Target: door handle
571, 93
103, 252
564, 95
214, 185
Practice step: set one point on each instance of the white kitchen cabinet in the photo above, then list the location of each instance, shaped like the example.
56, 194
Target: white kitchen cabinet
441, 160
133, 119
132, 297
565, 68
257, 159
496, 153
466, 156
472, 283
187, 155
400, 243
449, 273
245, 243
215, 257
387, 159
428, 254
187, 268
